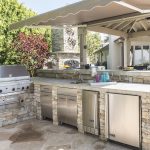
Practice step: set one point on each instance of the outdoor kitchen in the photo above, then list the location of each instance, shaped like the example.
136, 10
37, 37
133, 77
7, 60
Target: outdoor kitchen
49, 100
135, 88
67, 103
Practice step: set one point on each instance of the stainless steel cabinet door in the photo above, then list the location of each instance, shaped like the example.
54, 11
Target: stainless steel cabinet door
124, 119
90, 109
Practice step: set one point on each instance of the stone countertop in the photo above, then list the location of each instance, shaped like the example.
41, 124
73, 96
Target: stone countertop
63, 83
127, 87
138, 88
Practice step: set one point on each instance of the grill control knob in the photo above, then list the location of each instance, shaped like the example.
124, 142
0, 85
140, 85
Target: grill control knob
13, 89
21, 101
1, 91
27, 87
22, 88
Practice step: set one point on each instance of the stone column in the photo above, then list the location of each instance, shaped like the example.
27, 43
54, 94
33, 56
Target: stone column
127, 47
80, 112
37, 103
146, 122
82, 32
54, 103
57, 39
102, 117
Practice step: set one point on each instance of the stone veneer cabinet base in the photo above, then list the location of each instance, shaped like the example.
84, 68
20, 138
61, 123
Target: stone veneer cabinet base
17, 112
145, 99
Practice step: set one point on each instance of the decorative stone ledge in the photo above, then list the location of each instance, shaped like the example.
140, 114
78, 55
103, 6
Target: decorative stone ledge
142, 77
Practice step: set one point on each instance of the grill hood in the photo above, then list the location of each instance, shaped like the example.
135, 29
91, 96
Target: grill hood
9, 71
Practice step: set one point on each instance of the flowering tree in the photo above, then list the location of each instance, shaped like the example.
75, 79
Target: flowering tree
32, 51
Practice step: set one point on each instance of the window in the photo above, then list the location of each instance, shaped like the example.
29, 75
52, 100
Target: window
141, 54
146, 54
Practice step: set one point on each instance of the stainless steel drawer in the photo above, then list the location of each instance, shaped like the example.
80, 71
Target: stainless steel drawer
67, 91
46, 88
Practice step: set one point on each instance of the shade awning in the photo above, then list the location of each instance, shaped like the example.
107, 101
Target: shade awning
85, 11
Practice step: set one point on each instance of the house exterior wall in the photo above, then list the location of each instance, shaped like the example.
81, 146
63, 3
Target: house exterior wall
114, 57
115, 51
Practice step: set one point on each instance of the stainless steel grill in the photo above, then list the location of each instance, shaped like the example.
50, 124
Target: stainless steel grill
14, 78
14, 83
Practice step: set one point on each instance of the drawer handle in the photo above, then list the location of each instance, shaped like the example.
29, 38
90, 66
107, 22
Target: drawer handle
112, 135
45, 95
74, 100
91, 120
45, 88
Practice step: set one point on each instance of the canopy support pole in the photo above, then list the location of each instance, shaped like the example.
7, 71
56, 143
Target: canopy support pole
82, 32
127, 47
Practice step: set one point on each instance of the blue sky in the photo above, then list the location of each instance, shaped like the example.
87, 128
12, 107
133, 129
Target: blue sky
45, 5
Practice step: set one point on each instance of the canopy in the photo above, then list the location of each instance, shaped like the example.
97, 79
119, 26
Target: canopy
85, 12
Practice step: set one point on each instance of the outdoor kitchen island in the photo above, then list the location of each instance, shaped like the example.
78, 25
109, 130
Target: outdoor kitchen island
141, 90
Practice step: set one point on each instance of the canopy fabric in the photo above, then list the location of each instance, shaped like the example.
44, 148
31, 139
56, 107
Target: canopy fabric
84, 12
